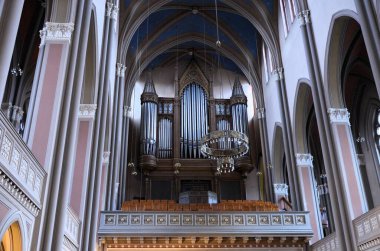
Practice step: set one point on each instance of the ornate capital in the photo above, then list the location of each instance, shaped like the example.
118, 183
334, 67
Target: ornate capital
127, 111
279, 72
339, 115
120, 70
304, 16
304, 160
114, 12
109, 7
260, 113
87, 111
106, 157
281, 189
56, 32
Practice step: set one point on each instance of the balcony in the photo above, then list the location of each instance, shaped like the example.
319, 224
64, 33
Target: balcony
71, 241
155, 229
330, 242
367, 230
20, 173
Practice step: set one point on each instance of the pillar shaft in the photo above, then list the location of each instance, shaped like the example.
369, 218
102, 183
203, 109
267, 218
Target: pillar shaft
10, 20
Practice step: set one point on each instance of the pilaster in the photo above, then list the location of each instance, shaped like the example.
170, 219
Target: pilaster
309, 193
347, 160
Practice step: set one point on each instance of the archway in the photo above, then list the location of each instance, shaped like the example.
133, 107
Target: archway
351, 85
12, 238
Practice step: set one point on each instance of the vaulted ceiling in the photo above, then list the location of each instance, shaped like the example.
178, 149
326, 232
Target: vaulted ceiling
156, 33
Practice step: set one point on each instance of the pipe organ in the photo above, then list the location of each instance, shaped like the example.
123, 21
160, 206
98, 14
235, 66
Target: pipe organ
171, 130
194, 120
149, 100
165, 128
238, 103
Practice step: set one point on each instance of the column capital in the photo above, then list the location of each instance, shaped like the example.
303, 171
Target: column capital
87, 111
114, 12
120, 70
106, 157
127, 111
260, 113
304, 160
281, 188
304, 16
339, 116
56, 32
109, 7
279, 72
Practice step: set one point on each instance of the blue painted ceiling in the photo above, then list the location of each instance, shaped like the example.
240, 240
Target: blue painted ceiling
235, 27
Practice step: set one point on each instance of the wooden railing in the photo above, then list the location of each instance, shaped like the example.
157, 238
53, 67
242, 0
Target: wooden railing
170, 205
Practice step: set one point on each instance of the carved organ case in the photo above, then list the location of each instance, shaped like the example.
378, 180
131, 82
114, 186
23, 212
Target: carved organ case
171, 130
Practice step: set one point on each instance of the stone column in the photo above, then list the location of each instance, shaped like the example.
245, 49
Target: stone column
342, 223
269, 196
94, 178
112, 12
10, 20
309, 186
348, 162
124, 155
288, 141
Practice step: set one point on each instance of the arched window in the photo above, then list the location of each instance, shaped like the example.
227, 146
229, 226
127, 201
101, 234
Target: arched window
11, 240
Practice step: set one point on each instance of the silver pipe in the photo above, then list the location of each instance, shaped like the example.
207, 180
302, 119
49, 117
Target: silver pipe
188, 92
193, 116
181, 139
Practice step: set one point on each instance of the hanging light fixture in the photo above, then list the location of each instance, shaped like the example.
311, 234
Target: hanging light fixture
224, 146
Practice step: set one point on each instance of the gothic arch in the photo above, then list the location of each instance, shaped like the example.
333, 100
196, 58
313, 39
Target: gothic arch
90, 79
278, 154
333, 58
15, 223
300, 113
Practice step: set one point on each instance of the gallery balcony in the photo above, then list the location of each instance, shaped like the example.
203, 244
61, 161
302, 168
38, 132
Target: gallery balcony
204, 226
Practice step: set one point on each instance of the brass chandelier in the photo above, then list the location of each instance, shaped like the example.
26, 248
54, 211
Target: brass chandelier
224, 146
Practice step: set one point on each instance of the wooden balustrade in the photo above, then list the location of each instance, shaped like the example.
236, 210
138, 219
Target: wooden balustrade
224, 205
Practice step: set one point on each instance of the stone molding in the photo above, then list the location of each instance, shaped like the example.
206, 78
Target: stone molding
14, 190
56, 32
304, 16
260, 113
339, 116
304, 160
120, 70
87, 111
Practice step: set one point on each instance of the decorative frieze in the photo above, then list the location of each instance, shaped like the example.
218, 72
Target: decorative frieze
329, 243
304, 16
87, 111
72, 227
367, 230
20, 173
120, 70
339, 115
304, 160
260, 113
56, 32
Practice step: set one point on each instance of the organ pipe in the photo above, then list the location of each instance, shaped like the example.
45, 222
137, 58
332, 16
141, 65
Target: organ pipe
239, 108
193, 120
149, 100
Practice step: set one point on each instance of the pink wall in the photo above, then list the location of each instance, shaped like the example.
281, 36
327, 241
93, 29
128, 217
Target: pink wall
349, 169
45, 111
309, 199
79, 168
